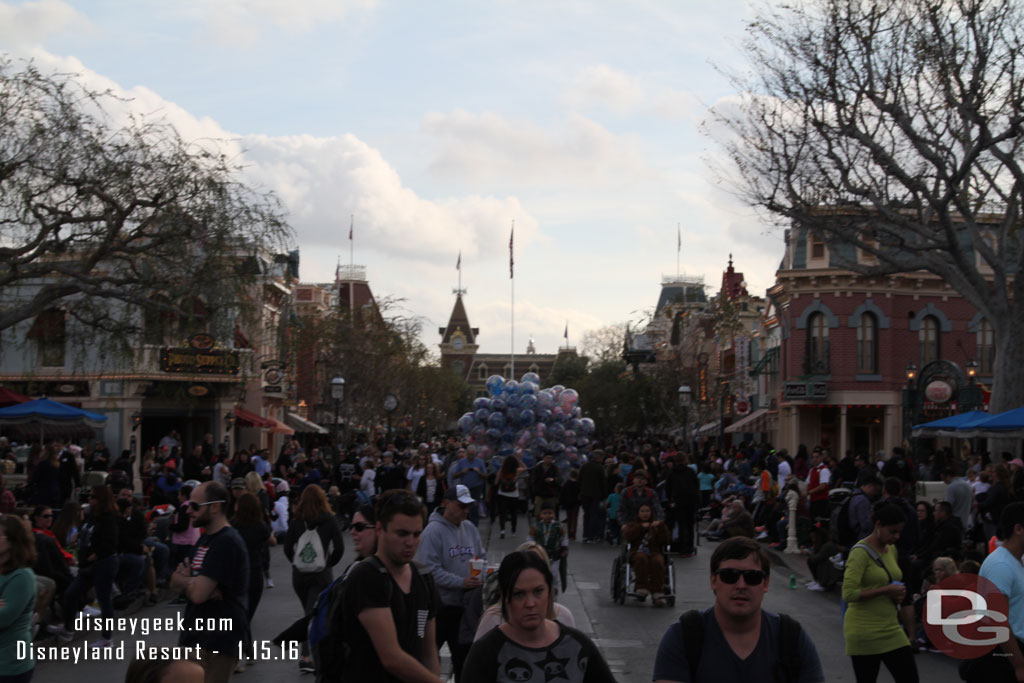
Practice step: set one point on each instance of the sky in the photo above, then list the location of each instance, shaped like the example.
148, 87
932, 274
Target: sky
432, 126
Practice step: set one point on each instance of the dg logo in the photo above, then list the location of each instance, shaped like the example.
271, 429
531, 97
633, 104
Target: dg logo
966, 616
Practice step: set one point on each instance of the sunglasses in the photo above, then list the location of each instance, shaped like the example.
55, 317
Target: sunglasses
752, 577
196, 506
361, 526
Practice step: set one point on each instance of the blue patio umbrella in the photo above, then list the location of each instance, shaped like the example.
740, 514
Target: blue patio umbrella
50, 413
951, 426
1008, 424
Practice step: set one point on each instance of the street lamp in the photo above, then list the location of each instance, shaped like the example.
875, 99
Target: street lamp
229, 424
685, 398
338, 394
971, 399
909, 400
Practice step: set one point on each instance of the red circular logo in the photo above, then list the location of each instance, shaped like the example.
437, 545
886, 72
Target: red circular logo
966, 616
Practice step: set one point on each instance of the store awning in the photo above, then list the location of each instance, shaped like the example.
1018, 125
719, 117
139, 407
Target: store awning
279, 427
247, 419
709, 428
302, 425
753, 423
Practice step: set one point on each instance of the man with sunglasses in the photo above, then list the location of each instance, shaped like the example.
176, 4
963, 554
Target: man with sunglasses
448, 544
735, 640
215, 581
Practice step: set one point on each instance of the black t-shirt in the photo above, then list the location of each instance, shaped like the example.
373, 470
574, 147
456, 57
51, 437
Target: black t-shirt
720, 664
255, 537
368, 586
223, 558
572, 658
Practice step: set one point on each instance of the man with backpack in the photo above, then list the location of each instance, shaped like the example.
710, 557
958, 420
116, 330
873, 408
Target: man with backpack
385, 616
639, 493
722, 644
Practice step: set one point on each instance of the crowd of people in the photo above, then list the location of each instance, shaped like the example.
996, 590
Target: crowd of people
200, 522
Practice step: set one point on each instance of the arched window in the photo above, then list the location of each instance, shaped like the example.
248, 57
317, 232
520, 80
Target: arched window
459, 366
928, 336
195, 318
817, 344
867, 344
157, 322
482, 371
49, 334
986, 348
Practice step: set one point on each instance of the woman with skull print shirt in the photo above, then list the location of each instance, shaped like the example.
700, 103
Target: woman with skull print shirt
529, 647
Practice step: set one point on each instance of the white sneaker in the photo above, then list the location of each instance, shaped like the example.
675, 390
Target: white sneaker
60, 632
815, 586
103, 642
91, 611
761, 536
270, 582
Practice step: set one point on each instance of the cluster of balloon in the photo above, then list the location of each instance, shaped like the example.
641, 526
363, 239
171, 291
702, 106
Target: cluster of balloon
521, 414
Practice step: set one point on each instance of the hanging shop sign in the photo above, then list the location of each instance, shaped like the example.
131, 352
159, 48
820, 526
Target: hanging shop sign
795, 391
274, 376
938, 391
200, 357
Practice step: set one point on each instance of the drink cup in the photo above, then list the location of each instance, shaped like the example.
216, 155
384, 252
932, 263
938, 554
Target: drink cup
476, 567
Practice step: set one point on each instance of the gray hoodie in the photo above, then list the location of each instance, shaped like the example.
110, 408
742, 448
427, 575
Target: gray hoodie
446, 549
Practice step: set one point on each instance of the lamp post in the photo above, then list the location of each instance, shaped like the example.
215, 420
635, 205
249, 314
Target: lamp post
909, 400
685, 397
338, 394
229, 424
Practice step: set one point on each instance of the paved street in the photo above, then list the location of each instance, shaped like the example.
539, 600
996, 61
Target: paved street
628, 634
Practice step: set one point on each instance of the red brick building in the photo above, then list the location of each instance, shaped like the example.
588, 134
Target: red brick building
848, 341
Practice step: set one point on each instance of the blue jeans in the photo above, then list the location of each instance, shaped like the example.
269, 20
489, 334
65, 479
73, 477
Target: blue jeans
131, 570
100, 576
161, 557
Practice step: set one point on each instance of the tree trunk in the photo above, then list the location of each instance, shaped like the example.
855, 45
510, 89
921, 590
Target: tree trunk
1008, 373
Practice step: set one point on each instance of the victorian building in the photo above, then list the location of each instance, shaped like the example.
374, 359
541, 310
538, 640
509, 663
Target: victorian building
862, 358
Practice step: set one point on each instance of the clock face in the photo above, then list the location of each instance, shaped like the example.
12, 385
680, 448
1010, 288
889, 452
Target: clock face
390, 402
458, 343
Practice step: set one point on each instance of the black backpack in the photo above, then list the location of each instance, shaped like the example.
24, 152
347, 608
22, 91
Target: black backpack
842, 530
788, 670
327, 625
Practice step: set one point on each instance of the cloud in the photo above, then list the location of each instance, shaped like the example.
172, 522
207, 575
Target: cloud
625, 94
31, 22
324, 180
243, 22
601, 84
486, 147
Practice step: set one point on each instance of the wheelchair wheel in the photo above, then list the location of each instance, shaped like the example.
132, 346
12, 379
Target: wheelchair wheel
618, 581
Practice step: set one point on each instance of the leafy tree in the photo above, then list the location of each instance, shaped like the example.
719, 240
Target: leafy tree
895, 128
604, 343
99, 221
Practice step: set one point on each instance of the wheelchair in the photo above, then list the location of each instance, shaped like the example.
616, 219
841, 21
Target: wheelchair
624, 581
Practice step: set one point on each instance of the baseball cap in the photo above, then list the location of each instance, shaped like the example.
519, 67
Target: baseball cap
238, 483
459, 493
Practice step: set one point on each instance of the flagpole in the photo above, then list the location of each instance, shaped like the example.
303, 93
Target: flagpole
679, 247
512, 312
351, 265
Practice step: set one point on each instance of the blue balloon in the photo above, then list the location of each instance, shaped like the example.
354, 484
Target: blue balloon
511, 387
508, 436
496, 421
543, 415
575, 424
529, 387
477, 432
466, 422
493, 434
557, 389
546, 399
587, 425
527, 417
528, 401
494, 384
498, 405
556, 432
481, 402
556, 447
540, 445
530, 377
482, 414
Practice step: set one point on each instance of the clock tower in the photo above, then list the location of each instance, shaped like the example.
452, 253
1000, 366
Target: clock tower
458, 341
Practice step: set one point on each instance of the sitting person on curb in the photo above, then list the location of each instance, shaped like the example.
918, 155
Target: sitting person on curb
735, 640
639, 493
648, 538
735, 522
